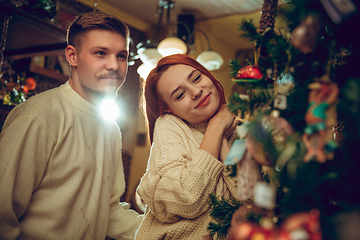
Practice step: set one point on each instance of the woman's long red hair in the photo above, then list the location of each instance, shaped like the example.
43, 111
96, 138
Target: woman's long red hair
153, 105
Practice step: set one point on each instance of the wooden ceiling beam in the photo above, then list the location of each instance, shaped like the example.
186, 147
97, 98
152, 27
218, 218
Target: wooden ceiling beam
125, 17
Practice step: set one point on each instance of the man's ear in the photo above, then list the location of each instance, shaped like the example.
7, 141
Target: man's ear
70, 53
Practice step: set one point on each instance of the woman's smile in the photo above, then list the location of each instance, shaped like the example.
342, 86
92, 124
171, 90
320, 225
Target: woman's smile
204, 101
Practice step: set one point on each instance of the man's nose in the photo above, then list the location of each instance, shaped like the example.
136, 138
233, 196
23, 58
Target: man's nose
112, 63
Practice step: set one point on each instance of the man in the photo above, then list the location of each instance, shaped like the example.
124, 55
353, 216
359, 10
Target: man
61, 172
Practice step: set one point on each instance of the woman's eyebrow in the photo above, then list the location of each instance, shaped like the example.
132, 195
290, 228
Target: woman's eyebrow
189, 77
191, 73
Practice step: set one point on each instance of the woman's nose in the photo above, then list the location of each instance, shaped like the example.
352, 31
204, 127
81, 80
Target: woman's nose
196, 93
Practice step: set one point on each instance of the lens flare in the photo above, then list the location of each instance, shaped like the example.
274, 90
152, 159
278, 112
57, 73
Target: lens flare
109, 109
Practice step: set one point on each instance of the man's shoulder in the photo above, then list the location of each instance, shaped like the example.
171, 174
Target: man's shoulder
39, 104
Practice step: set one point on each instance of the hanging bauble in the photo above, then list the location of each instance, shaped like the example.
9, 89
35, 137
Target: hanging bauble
30, 83
304, 36
243, 228
249, 72
274, 128
303, 222
250, 76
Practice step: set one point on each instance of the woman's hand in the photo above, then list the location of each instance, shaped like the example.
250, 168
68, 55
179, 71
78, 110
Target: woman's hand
223, 122
224, 150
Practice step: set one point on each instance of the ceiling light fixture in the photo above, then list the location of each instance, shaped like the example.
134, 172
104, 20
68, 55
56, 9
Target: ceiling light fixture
150, 51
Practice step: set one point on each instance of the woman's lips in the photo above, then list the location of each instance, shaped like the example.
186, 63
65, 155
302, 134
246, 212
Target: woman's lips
204, 101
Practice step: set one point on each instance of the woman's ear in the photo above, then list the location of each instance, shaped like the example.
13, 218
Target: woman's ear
70, 53
168, 111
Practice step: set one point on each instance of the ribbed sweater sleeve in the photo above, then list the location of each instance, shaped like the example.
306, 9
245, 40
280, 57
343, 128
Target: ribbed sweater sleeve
25, 148
123, 222
180, 176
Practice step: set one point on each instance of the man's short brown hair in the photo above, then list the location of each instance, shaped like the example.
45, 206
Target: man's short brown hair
95, 20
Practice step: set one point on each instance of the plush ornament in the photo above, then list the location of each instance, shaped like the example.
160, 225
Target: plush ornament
304, 36
322, 95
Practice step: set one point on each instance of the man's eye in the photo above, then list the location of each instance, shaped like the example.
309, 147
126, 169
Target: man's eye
100, 53
122, 56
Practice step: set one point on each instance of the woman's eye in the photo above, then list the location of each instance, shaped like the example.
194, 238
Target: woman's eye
123, 56
180, 96
197, 78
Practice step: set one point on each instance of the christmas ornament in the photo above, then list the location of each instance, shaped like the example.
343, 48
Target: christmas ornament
267, 19
278, 129
298, 226
322, 95
236, 152
249, 73
30, 83
284, 83
297, 223
248, 174
264, 195
305, 35
282, 86
251, 222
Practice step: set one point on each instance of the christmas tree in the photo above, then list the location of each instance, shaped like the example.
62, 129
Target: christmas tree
301, 123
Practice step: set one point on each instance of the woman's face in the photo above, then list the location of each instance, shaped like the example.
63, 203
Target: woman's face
188, 94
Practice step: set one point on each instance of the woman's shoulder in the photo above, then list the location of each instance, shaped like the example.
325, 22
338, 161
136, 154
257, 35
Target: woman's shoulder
170, 123
169, 119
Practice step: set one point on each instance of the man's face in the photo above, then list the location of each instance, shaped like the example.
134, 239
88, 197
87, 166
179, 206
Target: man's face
99, 64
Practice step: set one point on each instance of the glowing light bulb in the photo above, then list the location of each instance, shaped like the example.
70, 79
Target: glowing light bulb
109, 109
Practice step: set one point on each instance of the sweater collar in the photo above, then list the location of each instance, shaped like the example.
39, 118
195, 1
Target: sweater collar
77, 99
201, 127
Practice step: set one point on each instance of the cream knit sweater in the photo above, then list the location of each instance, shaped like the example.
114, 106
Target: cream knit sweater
178, 182
61, 172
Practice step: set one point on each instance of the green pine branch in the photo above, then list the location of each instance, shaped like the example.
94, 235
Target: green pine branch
221, 211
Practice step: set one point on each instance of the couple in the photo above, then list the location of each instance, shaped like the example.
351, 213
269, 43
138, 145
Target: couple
61, 177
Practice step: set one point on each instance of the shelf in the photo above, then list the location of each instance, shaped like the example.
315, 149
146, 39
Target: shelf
48, 73
29, 35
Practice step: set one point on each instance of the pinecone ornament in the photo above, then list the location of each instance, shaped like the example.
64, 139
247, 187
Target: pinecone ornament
267, 19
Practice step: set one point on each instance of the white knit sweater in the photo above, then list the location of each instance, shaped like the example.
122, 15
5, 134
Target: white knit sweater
178, 181
61, 172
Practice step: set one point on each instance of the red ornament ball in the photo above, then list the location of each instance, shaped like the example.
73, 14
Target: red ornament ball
252, 72
30, 83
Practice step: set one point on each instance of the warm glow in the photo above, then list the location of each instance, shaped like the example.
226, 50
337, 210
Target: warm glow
211, 60
149, 55
144, 70
109, 109
172, 45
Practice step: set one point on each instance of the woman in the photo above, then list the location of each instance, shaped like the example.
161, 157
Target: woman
188, 127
